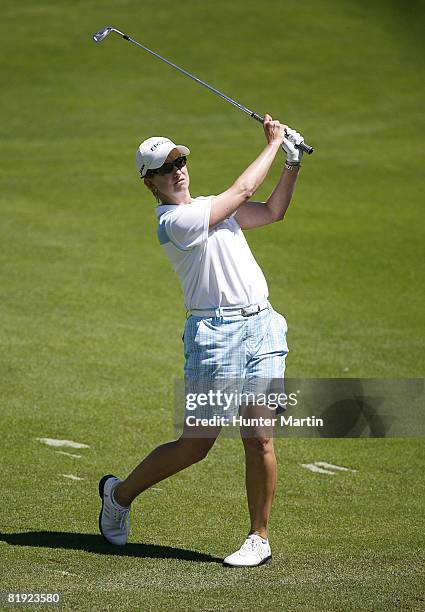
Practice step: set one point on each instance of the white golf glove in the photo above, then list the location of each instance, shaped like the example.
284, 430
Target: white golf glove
292, 138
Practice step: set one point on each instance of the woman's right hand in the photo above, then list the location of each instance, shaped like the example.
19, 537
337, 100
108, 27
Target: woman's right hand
274, 130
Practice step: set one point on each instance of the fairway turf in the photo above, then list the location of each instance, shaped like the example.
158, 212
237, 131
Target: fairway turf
92, 313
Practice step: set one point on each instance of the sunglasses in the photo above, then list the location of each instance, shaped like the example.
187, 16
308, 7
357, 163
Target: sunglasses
168, 167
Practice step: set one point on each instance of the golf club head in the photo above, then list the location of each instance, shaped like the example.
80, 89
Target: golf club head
103, 33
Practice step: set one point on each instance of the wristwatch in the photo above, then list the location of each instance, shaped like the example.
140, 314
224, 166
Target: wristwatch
292, 165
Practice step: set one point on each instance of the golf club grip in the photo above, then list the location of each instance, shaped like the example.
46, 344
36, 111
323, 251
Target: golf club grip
304, 146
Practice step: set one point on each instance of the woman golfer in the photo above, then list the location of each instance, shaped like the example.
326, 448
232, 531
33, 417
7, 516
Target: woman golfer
232, 331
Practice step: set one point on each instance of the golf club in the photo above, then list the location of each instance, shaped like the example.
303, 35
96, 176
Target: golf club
99, 36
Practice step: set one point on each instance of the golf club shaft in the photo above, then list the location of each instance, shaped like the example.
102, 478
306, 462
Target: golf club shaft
305, 147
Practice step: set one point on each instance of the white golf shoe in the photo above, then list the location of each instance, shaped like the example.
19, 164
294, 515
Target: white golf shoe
254, 551
114, 520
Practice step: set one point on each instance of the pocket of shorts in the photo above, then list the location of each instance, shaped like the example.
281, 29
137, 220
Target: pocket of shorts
190, 333
283, 320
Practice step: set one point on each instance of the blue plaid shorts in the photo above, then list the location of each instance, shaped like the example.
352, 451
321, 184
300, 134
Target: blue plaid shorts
248, 352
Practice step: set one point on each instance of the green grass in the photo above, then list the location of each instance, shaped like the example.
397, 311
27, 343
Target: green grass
92, 313
348, 542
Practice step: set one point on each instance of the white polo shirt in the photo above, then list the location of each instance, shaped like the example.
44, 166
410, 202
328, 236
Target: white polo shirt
215, 266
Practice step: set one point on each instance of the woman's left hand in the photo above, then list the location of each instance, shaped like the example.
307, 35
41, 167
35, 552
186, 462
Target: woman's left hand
291, 139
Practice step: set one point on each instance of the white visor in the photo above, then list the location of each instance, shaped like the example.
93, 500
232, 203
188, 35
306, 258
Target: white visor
153, 152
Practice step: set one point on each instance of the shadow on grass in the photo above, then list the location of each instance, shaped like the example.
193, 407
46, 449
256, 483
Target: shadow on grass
95, 544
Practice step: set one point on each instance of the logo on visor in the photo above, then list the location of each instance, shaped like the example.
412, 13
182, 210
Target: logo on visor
157, 144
